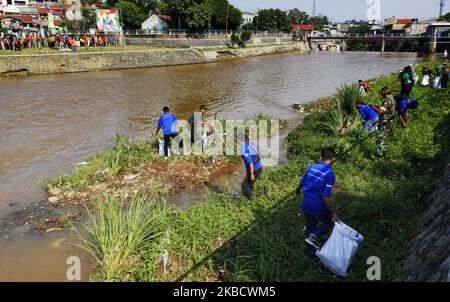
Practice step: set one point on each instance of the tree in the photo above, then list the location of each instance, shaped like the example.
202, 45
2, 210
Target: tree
445, 17
88, 15
320, 22
296, 16
190, 14
131, 14
361, 30
272, 20
219, 17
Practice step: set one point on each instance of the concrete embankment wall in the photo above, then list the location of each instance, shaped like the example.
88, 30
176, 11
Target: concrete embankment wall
429, 255
201, 42
81, 62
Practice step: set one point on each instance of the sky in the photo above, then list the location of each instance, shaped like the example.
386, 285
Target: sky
340, 10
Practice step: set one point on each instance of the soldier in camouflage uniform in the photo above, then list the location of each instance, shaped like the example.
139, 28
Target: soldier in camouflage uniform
386, 121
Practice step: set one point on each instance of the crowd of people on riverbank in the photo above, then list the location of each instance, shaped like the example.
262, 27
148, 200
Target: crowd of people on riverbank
57, 41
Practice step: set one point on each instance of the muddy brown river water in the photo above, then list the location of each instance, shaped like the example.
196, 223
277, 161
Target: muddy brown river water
48, 123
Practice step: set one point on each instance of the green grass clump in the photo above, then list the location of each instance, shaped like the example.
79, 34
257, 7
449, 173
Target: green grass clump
120, 233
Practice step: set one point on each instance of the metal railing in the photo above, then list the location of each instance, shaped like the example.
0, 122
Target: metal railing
388, 35
201, 33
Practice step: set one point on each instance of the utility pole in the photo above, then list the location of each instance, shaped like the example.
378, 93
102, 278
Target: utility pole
442, 5
228, 10
314, 8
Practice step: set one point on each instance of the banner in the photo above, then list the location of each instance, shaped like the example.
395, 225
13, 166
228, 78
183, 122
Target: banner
108, 20
51, 23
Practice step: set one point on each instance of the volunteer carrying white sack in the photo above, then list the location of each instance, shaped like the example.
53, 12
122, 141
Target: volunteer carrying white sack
319, 212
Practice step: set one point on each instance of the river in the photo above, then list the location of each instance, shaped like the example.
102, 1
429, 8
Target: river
48, 123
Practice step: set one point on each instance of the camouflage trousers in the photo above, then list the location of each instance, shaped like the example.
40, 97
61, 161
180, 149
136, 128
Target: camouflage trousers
381, 138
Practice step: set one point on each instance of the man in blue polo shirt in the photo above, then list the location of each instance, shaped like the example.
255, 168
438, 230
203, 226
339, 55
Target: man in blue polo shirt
317, 207
167, 122
369, 116
253, 166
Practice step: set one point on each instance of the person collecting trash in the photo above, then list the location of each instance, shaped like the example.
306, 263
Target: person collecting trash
363, 88
369, 116
253, 167
197, 122
317, 208
167, 122
404, 104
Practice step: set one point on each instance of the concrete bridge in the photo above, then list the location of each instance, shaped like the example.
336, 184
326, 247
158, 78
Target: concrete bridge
426, 44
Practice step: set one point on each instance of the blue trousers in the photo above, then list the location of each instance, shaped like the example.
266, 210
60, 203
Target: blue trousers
313, 226
319, 225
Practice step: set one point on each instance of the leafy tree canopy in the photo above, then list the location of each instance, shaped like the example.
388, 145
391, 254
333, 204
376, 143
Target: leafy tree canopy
296, 16
272, 19
132, 15
202, 14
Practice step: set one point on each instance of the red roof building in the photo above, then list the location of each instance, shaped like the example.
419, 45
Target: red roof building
404, 21
165, 18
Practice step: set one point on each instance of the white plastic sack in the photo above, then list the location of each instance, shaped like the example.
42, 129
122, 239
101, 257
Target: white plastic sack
161, 148
338, 252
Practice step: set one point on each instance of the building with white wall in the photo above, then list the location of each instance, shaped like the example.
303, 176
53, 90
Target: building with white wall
156, 23
247, 18
13, 6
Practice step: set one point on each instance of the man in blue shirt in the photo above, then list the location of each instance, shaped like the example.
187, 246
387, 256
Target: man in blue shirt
403, 104
317, 184
167, 122
369, 116
253, 166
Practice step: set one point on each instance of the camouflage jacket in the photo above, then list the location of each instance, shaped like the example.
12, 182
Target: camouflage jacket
388, 107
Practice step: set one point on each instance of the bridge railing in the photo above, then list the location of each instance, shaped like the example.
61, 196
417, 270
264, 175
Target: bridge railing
390, 35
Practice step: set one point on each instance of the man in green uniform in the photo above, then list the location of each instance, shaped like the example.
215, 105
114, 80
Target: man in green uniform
386, 120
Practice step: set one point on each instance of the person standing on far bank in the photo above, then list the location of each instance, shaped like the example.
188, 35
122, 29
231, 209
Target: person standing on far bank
253, 167
167, 122
317, 207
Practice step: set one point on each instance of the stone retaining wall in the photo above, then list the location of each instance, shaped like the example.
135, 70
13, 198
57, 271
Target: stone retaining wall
79, 62
429, 255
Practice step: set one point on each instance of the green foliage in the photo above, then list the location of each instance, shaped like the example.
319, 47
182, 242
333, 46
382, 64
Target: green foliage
361, 30
296, 16
203, 14
342, 114
320, 22
272, 20
445, 17
132, 15
120, 233
219, 16
246, 35
235, 39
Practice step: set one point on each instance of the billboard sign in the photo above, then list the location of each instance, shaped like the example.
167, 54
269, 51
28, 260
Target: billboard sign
108, 20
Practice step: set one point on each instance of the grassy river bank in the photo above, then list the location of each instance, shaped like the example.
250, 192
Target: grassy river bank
224, 239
